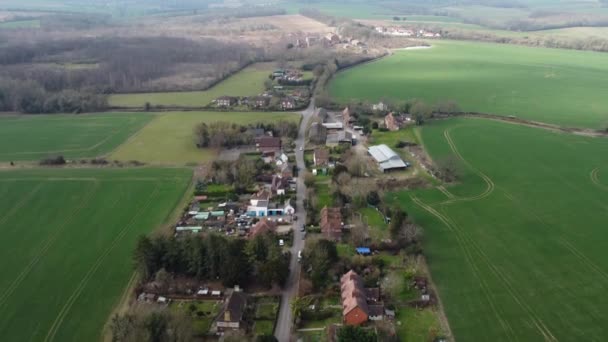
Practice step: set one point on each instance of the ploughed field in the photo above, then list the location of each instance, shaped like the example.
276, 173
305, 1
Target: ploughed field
33, 137
247, 82
67, 241
563, 87
170, 138
518, 246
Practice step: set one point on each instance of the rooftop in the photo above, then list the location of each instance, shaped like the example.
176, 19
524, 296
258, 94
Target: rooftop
387, 158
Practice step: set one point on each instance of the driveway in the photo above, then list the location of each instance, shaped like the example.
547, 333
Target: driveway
285, 320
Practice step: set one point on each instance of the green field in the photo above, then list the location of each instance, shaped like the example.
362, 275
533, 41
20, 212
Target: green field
33, 137
17, 24
517, 249
67, 241
563, 87
169, 139
247, 82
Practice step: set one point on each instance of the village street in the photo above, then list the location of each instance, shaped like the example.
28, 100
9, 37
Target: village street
285, 318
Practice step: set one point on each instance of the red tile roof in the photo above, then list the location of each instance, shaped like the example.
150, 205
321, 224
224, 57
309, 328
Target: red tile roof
331, 223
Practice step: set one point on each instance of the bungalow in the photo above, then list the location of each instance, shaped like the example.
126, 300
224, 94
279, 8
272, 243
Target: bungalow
232, 313
226, 101
288, 103
268, 145
263, 226
331, 223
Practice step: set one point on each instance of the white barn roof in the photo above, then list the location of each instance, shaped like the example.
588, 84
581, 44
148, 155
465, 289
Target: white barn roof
386, 158
333, 125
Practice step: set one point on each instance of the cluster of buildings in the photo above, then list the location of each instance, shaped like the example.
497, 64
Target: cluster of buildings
289, 92
254, 212
331, 134
400, 31
327, 40
268, 100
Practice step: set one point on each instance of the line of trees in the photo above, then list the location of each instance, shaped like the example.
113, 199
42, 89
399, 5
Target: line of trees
30, 97
225, 134
214, 257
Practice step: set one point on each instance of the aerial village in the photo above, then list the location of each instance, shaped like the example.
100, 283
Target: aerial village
361, 263
410, 32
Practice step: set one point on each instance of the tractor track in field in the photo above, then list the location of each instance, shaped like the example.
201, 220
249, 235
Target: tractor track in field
84, 282
594, 175
20, 204
476, 272
584, 259
465, 241
489, 183
47, 243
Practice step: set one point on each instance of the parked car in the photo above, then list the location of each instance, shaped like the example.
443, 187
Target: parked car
300, 255
281, 243
302, 228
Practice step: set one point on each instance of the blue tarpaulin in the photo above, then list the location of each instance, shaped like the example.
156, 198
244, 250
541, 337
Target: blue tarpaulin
363, 250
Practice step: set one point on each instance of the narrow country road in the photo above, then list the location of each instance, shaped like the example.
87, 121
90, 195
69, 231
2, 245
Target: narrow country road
285, 320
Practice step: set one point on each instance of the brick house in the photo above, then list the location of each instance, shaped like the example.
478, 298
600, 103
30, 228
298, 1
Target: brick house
331, 223
395, 122
359, 304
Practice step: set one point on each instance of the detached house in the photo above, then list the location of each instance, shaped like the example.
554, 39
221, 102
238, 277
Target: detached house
268, 145
226, 101
232, 313
288, 103
259, 102
258, 204
395, 122
321, 160
331, 223
359, 304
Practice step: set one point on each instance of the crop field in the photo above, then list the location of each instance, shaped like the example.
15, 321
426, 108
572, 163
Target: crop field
67, 241
518, 247
169, 139
33, 137
563, 87
247, 82
17, 24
